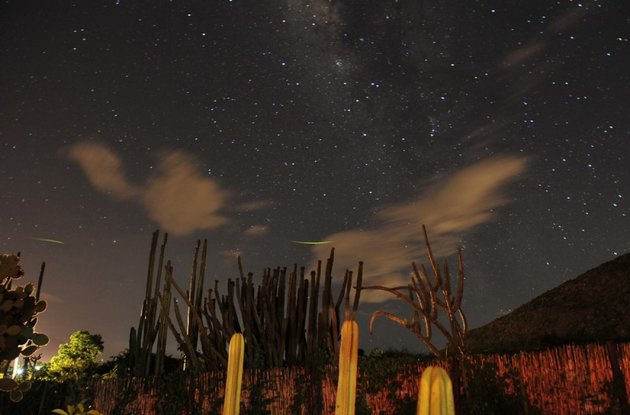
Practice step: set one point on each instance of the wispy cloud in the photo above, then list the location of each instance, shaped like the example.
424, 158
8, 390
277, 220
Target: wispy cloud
522, 54
251, 206
177, 197
449, 208
103, 169
256, 230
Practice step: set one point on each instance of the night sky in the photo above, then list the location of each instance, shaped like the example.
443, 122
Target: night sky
502, 126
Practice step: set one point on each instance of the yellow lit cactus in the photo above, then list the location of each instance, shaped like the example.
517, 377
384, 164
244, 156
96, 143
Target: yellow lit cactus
234, 379
348, 361
436, 393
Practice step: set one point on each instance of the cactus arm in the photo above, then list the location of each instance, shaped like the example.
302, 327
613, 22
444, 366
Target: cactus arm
357, 290
426, 339
432, 261
348, 363
192, 354
234, 378
194, 314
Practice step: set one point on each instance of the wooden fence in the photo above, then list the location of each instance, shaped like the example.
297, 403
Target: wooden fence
569, 380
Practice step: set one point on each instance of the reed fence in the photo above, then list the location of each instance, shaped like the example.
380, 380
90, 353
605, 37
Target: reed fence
569, 380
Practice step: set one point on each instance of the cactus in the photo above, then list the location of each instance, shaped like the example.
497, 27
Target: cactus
234, 378
151, 325
19, 308
281, 324
427, 299
436, 393
285, 319
16, 390
348, 362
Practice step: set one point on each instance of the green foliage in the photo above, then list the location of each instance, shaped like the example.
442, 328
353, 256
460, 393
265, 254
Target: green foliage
77, 358
78, 409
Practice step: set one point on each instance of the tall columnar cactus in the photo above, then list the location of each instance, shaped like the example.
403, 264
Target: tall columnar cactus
348, 362
19, 308
436, 393
234, 378
151, 324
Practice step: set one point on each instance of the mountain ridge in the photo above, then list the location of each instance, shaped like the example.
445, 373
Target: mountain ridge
593, 307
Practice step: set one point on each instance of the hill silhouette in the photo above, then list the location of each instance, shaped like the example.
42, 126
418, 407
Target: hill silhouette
593, 307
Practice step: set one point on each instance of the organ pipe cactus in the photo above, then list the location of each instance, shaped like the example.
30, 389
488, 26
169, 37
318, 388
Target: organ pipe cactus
234, 378
152, 324
436, 393
348, 362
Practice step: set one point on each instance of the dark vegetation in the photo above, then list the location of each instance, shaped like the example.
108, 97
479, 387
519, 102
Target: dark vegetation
19, 309
281, 317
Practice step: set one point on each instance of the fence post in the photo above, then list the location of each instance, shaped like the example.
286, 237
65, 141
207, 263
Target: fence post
619, 383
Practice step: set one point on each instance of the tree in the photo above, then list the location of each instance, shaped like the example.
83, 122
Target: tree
77, 358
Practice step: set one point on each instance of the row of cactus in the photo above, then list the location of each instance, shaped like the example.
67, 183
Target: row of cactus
281, 318
19, 310
284, 319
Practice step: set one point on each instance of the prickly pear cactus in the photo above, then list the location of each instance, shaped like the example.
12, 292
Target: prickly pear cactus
18, 316
10, 267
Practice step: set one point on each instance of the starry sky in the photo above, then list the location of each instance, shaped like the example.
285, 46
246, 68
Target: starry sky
502, 126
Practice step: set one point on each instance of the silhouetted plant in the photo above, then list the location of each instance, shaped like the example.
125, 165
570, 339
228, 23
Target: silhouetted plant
19, 309
284, 319
427, 299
